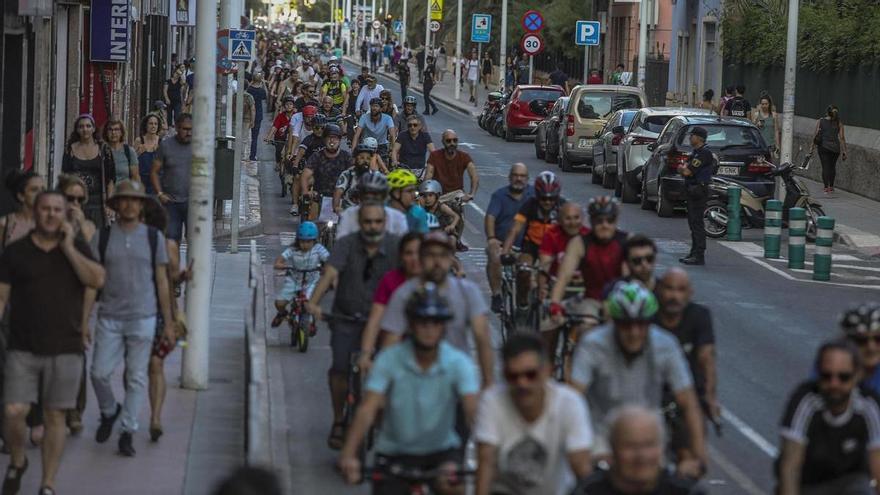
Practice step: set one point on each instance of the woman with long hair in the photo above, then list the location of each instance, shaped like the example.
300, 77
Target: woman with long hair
174, 91
145, 146
707, 103
831, 141
88, 157
125, 159
767, 120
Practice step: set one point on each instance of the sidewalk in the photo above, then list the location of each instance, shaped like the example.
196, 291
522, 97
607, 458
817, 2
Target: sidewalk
857, 222
249, 206
204, 432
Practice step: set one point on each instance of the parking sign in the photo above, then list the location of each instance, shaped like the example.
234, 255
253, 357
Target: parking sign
586, 33
481, 27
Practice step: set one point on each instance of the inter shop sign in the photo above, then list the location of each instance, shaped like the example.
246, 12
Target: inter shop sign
110, 30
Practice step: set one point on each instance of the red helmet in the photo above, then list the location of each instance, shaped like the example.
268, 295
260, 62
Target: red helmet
310, 111
547, 185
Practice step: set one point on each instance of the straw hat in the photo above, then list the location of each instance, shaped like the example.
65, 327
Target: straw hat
131, 189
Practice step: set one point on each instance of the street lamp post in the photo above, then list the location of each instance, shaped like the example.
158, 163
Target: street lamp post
643, 42
788, 92
458, 52
502, 62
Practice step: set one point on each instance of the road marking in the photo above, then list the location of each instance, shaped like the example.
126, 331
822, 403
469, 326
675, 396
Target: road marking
736, 474
747, 431
782, 273
479, 210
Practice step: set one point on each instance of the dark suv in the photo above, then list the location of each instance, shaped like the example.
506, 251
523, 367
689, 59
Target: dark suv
739, 150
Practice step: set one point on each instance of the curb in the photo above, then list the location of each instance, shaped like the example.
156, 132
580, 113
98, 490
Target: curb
456, 107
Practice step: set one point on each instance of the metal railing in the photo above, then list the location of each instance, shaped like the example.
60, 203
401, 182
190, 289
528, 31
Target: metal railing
258, 449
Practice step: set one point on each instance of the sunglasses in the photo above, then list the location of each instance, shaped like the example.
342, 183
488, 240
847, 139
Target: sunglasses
450, 141
601, 220
843, 377
75, 199
513, 377
413, 125
864, 339
638, 260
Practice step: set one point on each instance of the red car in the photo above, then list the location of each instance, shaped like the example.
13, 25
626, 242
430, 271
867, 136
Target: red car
529, 105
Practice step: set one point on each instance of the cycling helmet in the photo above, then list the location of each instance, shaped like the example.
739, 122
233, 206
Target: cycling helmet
363, 148
307, 231
320, 120
370, 143
433, 222
547, 185
288, 99
603, 206
401, 177
334, 69
373, 182
427, 304
409, 100
431, 186
376, 101
310, 111
631, 301
861, 319
332, 130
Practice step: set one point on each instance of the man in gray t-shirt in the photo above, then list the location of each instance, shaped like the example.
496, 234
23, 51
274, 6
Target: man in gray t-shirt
136, 288
471, 311
171, 172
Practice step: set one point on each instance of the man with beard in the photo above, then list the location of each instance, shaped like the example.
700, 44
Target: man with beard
359, 260
418, 385
412, 146
471, 313
324, 167
409, 110
369, 91
448, 166
372, 188
377, 125
345, 195
532, 433
504, 204
632, 361
831, 430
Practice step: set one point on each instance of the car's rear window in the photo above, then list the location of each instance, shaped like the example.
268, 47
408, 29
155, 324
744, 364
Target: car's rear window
655, 123
626, 118
527, 95
723, 136
600, 105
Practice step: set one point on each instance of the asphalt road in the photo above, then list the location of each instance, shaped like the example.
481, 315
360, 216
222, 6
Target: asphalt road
768, 321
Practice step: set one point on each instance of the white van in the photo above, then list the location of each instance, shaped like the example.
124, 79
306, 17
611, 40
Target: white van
309, 39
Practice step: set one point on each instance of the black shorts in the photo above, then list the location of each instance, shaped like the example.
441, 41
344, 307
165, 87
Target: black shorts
530, 248
345, 339
394, 486
279, 149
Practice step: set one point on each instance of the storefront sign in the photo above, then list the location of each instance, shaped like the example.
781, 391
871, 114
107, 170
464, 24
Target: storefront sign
109, 30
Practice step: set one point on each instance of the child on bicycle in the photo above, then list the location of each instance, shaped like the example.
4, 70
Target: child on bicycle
302, 261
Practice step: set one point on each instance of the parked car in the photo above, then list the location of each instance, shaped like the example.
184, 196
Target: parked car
633, 151
553, 131
588, 110
529, 105
607, 145
739, 149
547, 128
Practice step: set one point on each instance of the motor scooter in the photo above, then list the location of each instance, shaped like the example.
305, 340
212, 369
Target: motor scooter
492, 101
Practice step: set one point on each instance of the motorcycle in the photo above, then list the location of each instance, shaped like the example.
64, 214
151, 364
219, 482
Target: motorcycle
495, 119
715, 216
492, 100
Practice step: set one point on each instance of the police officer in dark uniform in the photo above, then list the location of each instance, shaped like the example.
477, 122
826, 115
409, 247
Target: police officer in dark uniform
697, 175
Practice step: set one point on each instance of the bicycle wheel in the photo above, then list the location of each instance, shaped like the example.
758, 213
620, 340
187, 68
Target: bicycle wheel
302, 339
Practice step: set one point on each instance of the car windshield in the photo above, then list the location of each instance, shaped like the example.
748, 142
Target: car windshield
527, 95
626, 118
655, 123
600, 105
723, 137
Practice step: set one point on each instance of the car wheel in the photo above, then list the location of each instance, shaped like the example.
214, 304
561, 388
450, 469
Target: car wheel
594, 176
539, 153
617, 186
565, 163
509, 136
646, 203
628, 194
549, 155
664, 206
607, 179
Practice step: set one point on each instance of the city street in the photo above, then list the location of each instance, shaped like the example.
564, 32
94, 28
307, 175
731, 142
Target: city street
768, 320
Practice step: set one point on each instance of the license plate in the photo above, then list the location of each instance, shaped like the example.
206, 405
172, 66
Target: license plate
533, 123
728, 170
584, 142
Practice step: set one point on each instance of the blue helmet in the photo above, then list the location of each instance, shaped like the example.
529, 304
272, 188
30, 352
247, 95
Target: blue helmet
307, 231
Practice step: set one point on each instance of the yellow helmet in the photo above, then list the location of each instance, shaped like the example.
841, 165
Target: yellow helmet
401, 178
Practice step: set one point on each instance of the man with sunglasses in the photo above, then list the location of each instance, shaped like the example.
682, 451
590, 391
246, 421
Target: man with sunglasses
830, 430
377, 125
504, 204
413, 146
861, 325
409, 110
533, 434
359, 260
448, 166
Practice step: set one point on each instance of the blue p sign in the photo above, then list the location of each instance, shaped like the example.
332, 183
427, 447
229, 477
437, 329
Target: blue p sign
586, 33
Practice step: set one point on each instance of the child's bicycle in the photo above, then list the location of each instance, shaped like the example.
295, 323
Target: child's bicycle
302, 324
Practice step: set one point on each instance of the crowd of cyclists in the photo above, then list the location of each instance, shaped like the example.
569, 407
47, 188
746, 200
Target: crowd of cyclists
608, 376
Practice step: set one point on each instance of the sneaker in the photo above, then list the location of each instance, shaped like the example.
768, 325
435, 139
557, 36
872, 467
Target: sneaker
461, 247
125, 444
497, 303
12, 481
294, 210
74, 422
46, 491
106, 426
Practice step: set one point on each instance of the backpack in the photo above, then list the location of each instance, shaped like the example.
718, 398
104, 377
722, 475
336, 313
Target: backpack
152, 236
738, 107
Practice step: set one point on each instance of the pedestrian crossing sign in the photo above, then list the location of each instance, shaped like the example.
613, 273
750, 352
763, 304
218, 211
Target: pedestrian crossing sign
436, 10
241, 45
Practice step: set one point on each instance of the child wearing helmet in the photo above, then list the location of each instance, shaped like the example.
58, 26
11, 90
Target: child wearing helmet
302, 261
403, 185
429, 198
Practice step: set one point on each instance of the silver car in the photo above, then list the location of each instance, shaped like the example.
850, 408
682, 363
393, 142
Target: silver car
605, 150
633, 151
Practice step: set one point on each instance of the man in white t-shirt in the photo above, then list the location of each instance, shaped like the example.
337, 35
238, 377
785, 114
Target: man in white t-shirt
533, 434
305, 71
472, 66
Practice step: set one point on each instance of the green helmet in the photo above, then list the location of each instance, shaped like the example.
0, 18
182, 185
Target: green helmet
631, 301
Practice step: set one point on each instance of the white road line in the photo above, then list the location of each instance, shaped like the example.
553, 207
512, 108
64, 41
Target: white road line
809, 281
477, 208
736, 474
747, 431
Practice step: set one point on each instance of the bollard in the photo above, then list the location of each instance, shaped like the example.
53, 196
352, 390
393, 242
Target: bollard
734, 222
772, 228
824, 240
797, 237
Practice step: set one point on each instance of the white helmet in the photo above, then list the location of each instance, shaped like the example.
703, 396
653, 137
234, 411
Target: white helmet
431, 186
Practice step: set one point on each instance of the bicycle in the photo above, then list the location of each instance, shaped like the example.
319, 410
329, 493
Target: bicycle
328, 233
411, 480
302, 324
355, 387
512, 316
565, 344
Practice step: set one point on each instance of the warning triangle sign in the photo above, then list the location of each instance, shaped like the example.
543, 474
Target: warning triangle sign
241, 50
435, 6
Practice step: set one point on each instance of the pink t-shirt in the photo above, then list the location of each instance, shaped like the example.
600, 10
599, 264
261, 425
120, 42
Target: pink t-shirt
389, 283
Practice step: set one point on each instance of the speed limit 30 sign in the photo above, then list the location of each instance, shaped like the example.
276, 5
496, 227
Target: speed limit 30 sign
532, 44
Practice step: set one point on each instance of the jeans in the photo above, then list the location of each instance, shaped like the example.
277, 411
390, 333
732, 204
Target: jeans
255, 136
116, 340
173, 110
697, 195
829, 166
177, 218
429, 103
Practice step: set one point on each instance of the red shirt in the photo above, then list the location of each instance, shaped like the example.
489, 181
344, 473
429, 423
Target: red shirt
282, 121
595, 79
602, 264
389, 283
449, 172
554, 243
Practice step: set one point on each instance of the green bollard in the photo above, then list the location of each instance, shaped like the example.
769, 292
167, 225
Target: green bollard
824, 241
772, 228
797, 237
734, 222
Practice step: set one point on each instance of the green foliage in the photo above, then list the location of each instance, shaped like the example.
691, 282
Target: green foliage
832, 34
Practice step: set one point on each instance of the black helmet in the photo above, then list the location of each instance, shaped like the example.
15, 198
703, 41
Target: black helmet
332, 130
320, 120
603, 206
427, 304
288, 99
861, 319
